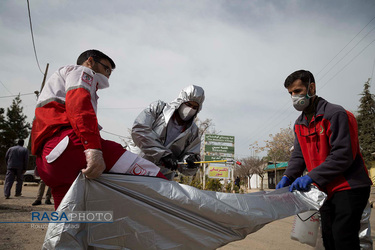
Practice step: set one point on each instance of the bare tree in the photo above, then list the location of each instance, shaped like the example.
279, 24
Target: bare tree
279, 147
250, 166
259, 170
205, 126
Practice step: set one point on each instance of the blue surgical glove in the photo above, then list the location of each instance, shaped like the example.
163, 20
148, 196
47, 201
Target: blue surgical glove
301, 183
283, 182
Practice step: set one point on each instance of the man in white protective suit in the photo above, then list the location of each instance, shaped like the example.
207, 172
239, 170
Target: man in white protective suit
165, 133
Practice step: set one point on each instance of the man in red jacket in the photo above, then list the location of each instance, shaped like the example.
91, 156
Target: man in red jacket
326, 144
65, 134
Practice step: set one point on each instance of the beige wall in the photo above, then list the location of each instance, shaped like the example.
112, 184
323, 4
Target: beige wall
372, 172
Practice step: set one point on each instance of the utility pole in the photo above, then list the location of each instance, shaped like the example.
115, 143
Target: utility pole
37, 93
44, 81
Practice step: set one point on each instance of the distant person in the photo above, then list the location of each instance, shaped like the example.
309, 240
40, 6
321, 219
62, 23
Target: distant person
16, 158
39, 197
42, 187
237, 181
326, 143
65, 133
165, 133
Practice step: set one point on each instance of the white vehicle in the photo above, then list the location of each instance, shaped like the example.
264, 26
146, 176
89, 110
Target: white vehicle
29, 176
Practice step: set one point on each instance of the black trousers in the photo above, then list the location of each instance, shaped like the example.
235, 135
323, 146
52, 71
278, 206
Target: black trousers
9, 180
340, 218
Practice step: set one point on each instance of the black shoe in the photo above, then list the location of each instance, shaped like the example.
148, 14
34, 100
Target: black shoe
6, 197
36, 203
17, 195
48, 202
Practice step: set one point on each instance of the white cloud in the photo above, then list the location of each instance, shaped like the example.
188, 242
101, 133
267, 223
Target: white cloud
240, 52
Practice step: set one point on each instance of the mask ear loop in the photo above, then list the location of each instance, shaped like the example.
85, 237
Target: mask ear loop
316, 142
308, 88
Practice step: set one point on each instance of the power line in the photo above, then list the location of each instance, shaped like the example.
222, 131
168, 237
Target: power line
372, 73
124, 108
347, 53
32, 36
17, 95
6, 88
347, 64
268, 126
345, 46
121, 136
281, 113
282, 110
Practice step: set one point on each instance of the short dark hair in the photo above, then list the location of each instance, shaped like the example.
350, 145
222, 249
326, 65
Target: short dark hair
305, 76
96, 54
21, 142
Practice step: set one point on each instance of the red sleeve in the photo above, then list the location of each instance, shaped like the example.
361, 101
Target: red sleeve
82, 117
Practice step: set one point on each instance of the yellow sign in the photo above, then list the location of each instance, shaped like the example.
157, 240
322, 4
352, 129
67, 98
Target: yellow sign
218, 172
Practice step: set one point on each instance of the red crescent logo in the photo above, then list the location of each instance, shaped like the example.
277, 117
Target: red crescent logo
138, 170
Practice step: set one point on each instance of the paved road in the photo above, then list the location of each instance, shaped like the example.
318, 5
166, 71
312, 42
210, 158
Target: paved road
275, 235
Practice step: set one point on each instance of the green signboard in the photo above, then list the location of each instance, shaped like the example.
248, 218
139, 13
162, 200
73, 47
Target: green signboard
219, 149
216, 158
219, 138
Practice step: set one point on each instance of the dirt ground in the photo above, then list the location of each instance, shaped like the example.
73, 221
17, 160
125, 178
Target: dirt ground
275, 235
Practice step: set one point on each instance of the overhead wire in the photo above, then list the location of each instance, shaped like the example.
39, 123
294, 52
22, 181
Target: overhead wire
273, 117
6, 87
345, 46
268, 126
121, 136
347, 64
124, 108
346, 54
32, 36
17, 95
372, 73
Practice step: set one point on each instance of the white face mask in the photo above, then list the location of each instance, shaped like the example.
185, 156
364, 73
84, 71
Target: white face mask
185, 112
102, 81
301, 102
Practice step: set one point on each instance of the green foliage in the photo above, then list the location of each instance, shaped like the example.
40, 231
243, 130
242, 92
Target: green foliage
3, 129
13, 126
196, 183
213, 184
16, 120
183, 179
228, 187
366, 123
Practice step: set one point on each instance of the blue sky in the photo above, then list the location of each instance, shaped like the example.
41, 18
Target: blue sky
240, 52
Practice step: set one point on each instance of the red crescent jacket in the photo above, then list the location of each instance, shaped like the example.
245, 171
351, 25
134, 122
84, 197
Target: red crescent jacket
328, 147
68, 99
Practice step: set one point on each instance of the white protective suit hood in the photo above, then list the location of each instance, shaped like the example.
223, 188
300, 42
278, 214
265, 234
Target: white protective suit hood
190, 93
149, 130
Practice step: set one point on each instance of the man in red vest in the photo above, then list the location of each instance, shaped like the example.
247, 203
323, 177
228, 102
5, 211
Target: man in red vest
65, 134
326, 144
